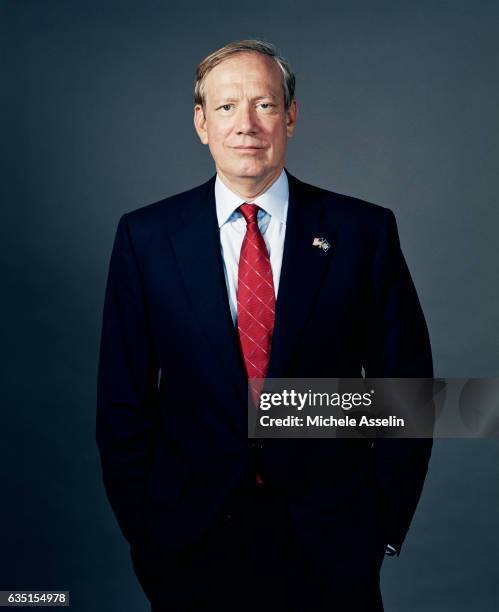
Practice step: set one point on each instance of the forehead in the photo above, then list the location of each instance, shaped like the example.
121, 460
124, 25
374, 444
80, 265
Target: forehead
243, 70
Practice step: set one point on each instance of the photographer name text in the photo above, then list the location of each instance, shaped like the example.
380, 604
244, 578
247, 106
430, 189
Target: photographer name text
330, 421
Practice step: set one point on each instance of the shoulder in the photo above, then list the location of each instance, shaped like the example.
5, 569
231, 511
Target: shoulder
172, 208
366, 220
345, 208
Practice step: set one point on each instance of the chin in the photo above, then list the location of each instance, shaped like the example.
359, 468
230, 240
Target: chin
251, 171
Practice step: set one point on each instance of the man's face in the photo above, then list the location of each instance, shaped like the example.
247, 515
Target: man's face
244, 121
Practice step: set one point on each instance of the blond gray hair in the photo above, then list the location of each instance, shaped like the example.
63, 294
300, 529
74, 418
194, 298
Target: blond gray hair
245, 46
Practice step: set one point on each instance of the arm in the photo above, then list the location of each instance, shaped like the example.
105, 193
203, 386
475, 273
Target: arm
399, 348
127, 390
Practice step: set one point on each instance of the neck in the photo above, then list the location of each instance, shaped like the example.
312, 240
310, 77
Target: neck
249, 188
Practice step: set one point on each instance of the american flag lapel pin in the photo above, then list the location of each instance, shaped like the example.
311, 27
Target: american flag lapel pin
322, 243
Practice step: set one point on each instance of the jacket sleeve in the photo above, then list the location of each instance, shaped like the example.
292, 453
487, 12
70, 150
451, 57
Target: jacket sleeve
398, 348
127, 389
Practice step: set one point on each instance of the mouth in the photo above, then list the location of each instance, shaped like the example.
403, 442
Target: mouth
248, 149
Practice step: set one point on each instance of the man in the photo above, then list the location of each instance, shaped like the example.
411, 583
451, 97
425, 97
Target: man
229, 282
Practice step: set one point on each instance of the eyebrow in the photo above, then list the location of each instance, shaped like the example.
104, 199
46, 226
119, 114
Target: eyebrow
228, 99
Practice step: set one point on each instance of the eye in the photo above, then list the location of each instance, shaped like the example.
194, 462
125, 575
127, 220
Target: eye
225, 107
266, 105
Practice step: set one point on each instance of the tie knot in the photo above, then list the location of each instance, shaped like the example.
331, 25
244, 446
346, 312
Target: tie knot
249, 212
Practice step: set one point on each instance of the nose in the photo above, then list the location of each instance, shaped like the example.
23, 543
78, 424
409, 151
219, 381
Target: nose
246, 120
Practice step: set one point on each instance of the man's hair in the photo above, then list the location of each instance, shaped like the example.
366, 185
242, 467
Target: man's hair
245, 46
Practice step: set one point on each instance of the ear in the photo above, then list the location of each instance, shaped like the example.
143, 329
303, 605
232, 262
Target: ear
291, 117
200, 123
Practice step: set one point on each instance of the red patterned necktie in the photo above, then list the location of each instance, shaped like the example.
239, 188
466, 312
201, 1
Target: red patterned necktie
255, 303
255, 299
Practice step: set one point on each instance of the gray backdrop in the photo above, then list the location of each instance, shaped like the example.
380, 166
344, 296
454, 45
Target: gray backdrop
398, 105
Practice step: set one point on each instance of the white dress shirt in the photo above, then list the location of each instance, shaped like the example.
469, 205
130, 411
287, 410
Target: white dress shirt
271, 221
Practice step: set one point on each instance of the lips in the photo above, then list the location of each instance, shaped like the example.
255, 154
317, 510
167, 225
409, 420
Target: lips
248, 148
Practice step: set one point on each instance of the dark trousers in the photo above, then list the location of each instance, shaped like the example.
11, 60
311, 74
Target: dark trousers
250, 559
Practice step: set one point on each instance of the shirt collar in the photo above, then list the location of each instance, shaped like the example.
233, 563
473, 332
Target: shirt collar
274, 201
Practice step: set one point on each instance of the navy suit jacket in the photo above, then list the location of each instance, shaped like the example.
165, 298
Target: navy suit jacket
172, 391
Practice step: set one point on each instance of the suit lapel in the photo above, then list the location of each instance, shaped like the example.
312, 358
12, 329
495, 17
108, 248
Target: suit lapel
197, 247
303, 268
